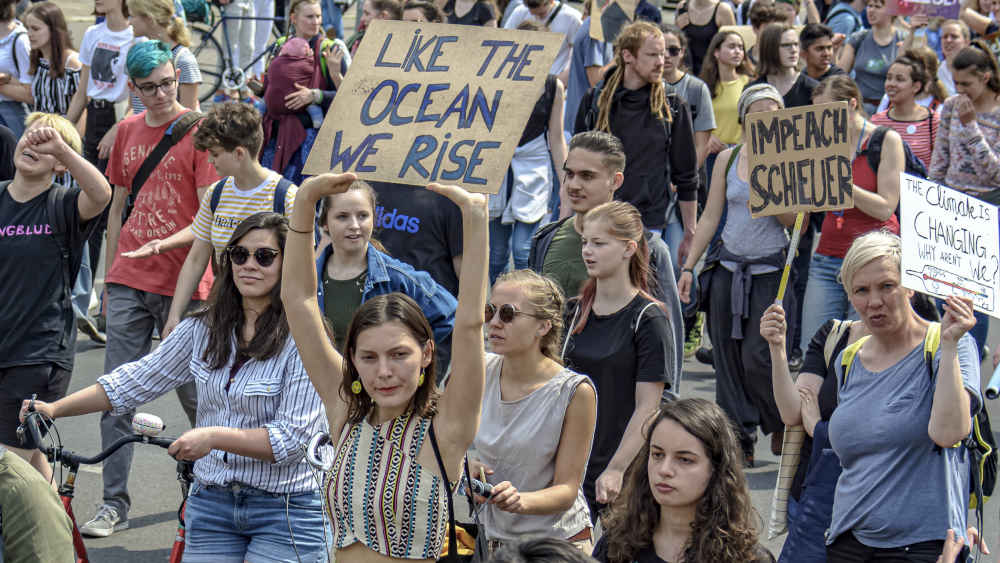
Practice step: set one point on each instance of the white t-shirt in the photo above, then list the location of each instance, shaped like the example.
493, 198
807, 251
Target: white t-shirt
566, 22
22, 48
104, 51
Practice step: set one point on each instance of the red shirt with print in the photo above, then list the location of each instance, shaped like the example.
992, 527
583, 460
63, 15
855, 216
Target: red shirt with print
166, 203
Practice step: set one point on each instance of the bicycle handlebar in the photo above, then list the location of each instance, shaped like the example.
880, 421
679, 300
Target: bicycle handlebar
69, 458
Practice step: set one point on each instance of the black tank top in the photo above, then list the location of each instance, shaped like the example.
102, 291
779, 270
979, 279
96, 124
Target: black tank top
699, 36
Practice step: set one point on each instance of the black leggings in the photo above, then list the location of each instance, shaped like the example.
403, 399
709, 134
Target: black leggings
847, 549
99, 121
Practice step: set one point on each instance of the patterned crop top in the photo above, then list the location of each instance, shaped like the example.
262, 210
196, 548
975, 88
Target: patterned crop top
380, 495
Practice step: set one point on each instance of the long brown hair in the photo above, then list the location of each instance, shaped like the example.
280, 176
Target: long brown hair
328, 202
710, 66
923, 65
978, 56
631, 39
60, 39
625, 224
391, 307
770, 49
724, 528
223, 312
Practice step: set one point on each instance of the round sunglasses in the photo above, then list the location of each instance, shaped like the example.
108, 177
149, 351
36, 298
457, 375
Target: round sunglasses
507, 313
240, 254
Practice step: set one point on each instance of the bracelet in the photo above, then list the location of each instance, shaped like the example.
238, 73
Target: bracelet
690, 270
294, 230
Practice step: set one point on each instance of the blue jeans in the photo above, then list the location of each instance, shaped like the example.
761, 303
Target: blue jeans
239, 523
506, 239
825, 297
332, 17
12, 115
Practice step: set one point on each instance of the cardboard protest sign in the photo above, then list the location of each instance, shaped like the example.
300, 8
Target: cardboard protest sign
948, 9
799, 160
950, 243
434, 103
608, 17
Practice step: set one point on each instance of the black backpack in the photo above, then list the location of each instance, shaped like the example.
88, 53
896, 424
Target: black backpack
280, 192
914, 166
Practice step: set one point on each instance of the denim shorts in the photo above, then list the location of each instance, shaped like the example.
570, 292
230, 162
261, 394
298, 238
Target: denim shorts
237, 523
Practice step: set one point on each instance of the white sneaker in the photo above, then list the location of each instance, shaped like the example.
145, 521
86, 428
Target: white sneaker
104, 523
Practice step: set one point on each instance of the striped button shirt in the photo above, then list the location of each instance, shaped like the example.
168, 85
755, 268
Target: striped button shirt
274, 394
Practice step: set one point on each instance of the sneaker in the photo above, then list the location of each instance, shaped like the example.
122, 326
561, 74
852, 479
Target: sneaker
105, 522
87, 326
704, 355
693, 339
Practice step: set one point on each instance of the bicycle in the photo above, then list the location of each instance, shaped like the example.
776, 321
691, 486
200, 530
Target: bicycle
218, 69
72, 462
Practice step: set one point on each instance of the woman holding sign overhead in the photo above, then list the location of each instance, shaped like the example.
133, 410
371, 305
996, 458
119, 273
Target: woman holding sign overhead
876, 196
740, 283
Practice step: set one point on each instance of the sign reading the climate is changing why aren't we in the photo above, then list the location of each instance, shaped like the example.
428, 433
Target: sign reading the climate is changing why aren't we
799, 160
950, 243
434, 103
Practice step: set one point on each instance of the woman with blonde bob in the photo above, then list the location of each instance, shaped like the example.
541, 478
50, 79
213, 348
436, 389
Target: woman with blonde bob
883, 507
685, 498
538, 419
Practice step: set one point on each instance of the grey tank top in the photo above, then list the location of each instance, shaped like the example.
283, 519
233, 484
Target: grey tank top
743, 235
519, 440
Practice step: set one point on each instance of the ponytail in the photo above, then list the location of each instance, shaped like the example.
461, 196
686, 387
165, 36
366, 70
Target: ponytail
178, 32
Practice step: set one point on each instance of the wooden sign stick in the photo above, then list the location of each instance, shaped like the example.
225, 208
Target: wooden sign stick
792, 246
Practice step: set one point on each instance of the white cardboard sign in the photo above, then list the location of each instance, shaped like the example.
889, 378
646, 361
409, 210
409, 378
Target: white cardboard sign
950, 243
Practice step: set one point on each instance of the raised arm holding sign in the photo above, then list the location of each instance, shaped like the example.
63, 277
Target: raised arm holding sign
434, 102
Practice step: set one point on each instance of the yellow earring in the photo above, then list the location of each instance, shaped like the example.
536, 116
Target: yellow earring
420, 380
356, 387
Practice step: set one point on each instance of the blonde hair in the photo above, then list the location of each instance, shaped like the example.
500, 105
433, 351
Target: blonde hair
161, 12
62, 126
867, 248
631, 39
547, 299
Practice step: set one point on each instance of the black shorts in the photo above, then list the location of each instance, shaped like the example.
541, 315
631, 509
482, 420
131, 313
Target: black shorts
18, 383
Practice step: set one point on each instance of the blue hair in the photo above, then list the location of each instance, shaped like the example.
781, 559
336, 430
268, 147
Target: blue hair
143, 58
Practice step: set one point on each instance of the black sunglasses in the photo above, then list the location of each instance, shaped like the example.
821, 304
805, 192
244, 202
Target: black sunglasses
674, 51
507, 313
240, 254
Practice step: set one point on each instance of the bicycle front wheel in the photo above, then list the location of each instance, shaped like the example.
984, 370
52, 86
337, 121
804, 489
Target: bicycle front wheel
211, 62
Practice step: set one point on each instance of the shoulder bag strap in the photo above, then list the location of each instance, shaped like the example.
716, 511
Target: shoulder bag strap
280, 193
553, 15
217, 194
177, 130
452, 536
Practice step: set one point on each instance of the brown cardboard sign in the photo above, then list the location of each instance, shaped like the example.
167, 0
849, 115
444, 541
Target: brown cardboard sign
799, 160
608, 17
428, 103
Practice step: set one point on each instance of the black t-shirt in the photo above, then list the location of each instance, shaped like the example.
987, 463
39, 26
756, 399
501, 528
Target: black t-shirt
815, 363
616, 357
34, 314
801, 92
7, 143
649, 555
480, 13
421, 228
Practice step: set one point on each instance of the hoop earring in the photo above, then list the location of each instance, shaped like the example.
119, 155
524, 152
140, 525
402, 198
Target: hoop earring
356, 387
420, 380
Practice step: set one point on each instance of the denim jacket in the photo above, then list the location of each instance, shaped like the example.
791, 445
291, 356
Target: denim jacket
386, 275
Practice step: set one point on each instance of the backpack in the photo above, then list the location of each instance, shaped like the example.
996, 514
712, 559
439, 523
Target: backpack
54, 205
13, 53
980, 442
844, 8
280, 192
197, 11
590, 118
913, 165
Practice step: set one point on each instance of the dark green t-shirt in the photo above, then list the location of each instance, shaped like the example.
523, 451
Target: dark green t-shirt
340, 299
564, 260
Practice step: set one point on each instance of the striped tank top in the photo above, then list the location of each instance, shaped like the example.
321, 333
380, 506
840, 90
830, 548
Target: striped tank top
380, 495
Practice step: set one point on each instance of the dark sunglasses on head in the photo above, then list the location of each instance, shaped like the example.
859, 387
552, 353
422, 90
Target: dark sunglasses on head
240, 254
507, 313
674, 51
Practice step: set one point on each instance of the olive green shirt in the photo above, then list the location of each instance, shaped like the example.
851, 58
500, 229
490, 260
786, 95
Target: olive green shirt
36, 528
564, 260
341, 298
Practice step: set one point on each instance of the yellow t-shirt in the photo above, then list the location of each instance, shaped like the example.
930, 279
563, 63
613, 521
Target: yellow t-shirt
235, 205
727, 126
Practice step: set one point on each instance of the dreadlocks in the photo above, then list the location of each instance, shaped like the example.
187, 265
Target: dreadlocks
631, 39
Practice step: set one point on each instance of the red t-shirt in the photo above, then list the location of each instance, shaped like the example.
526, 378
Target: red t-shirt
840, 228
166, 203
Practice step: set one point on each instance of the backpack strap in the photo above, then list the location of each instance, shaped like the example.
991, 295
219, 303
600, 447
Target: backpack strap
280, 193
13, 53
638, 318
217, 194
873, 152
732, 159
848, 357
55, 204
932, 341
452, 539
833, 337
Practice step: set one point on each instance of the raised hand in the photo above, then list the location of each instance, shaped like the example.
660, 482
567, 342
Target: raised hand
958, 318
773, 326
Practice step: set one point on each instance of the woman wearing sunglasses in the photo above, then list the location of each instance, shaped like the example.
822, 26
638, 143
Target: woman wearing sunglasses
398, 436
256, 409
537, 422
355, 267
618, 336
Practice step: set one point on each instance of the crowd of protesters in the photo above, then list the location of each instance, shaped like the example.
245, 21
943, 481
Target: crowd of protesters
532, 339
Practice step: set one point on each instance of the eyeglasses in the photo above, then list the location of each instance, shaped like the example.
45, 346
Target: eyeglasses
149, 88
674, 51
240, 254
507, 313
789, 45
